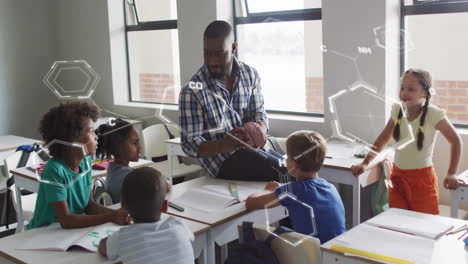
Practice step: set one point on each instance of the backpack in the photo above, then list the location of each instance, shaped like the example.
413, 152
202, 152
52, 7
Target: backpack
255, 251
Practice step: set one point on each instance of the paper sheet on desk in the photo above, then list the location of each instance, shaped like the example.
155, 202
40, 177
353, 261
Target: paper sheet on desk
464, 177
213, 198
406, 221
243, 191
390, 243
205, 201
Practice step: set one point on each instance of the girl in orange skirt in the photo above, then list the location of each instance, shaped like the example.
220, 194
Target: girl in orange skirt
413, 177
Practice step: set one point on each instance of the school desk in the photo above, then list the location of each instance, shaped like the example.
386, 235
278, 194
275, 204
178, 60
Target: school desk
336, 169
9, 143
396, 245
460, 194
26, 179
223, 224
9, 254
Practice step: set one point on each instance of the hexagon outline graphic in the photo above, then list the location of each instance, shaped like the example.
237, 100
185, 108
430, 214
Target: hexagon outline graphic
380, 32
332, 99
355, 139
70, 68
55, 70
293, 197
271, 20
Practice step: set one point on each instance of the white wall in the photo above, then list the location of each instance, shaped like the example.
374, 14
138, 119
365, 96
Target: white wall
193, 17
26, 46
83, 32
348, 25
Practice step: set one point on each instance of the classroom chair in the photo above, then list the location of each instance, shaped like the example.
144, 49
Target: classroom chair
3, 194
100, 194
306, 252
154, 140
28, 202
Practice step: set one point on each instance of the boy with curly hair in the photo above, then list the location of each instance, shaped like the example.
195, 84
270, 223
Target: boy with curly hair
65, 190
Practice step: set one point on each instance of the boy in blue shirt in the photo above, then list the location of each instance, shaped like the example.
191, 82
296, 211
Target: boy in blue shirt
306, 153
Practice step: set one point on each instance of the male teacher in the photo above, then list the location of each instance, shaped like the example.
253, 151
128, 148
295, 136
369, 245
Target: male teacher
215, 104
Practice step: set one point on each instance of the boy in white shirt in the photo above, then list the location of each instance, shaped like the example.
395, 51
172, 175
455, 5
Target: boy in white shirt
150, 239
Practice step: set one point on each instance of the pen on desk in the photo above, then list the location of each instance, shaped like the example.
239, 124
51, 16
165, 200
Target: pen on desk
175, 206
466, 232
461, 228
329, 157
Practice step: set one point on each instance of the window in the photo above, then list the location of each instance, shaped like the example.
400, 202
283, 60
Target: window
437, 31
152, 50
282, 40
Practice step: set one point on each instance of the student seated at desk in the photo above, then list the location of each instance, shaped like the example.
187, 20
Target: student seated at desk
150, 239
67, 197
120, 140
306, 153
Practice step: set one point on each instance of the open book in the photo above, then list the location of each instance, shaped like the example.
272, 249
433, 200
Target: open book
57, 238
212, 198
411, 223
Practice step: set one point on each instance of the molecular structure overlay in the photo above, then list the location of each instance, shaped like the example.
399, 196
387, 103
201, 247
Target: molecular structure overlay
77, 80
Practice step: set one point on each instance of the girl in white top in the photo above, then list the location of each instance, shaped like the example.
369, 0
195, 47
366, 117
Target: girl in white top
413, 177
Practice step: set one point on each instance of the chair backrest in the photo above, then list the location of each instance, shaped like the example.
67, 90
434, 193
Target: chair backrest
308, 251
11, 162
154, 138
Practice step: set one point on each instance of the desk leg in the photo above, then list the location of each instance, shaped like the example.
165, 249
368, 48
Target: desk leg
455, 197
210, 248
356, 203
224, 253
169, 166
202, 257
19, 210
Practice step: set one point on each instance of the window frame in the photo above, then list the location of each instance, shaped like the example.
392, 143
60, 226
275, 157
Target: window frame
284, 16
143, 26
428, 8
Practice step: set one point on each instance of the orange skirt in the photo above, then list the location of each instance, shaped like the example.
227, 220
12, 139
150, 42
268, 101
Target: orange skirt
415, 190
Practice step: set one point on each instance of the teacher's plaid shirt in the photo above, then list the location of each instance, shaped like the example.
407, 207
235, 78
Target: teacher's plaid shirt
206, 113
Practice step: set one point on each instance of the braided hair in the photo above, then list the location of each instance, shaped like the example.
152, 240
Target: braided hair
425, 80
110, 138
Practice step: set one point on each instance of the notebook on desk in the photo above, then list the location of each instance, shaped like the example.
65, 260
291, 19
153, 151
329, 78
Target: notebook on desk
213, 198
59, 239
463, 177
380, 244
411, 223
